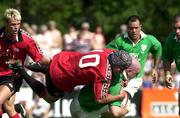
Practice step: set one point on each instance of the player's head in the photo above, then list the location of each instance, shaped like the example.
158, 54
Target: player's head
133, 69
13, 20
134, 27
120, 59
176, 25
12, 13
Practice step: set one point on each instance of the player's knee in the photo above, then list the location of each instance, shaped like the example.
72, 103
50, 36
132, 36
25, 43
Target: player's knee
9, 109
50, 99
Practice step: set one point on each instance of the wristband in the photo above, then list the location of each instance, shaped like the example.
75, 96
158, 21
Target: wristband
168, 76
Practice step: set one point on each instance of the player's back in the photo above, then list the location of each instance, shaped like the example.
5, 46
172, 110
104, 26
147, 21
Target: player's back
69, 69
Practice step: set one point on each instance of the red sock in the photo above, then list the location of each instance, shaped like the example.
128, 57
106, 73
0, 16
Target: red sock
16, 116
1, 112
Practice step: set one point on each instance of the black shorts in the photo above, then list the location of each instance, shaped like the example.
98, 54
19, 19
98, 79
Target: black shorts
12, 82
51, 88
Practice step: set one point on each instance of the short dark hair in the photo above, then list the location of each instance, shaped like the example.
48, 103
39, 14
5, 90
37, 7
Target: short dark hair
133, 18
176, 18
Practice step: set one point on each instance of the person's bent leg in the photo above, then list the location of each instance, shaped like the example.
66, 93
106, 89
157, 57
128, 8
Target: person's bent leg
5, 93
40, 89
36, 85
9, 107
3, 90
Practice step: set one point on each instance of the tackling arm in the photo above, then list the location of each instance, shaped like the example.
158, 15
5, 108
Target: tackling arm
110, 98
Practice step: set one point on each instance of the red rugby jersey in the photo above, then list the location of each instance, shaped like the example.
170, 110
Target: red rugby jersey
17, 48
69, 69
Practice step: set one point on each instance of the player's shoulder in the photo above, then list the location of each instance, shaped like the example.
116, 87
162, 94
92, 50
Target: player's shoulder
152, 39
102, 51
109, 50
171, 36
25, 34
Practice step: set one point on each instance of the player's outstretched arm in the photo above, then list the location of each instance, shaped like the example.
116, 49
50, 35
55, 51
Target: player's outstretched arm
37, 86
110, 98
37, 67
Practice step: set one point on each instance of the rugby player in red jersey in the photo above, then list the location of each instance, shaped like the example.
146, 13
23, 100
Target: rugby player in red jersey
69, 69
84, 105
14, 44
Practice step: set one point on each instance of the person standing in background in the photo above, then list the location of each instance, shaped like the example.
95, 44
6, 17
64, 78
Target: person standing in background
122, 30
139, 45
98, 41
40, 108
56, 38
171, 53
69, 38
83, 42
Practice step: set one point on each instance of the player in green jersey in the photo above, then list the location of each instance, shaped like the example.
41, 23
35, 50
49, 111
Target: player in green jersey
140, 45
85, 106
171, 51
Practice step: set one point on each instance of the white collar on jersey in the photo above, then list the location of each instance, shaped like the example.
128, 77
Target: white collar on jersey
2, 34
141, 33
176, 38
142, 36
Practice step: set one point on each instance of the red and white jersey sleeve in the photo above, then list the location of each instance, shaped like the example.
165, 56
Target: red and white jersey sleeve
32, 48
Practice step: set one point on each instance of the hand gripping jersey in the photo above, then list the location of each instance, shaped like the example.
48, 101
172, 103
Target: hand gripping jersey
69, 69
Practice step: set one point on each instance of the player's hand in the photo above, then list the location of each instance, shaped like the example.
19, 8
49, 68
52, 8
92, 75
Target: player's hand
123, 94
154, 75
169, 81
15, 65
124, 83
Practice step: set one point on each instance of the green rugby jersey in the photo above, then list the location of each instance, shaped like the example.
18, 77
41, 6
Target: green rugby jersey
171, 50
87, 99
147, 44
